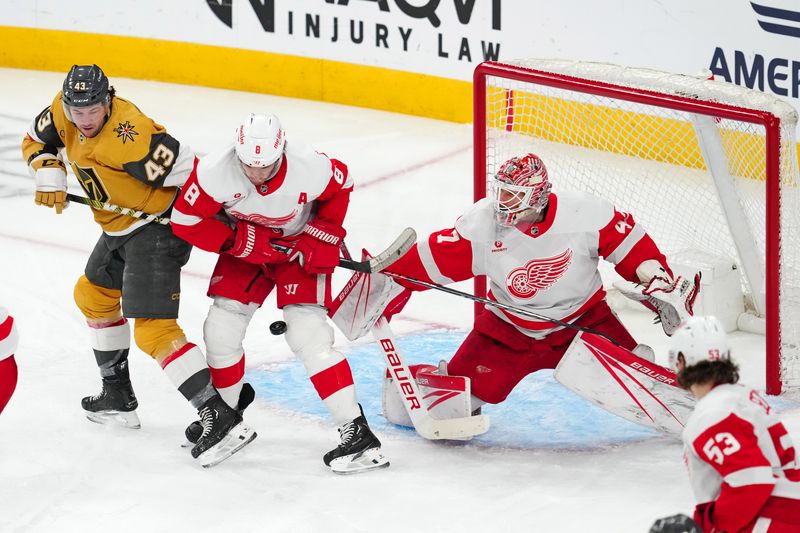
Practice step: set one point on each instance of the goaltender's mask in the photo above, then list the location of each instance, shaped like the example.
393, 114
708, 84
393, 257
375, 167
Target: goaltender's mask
520, 188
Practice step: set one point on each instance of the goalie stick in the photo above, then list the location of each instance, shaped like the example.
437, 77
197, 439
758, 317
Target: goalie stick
493, 303
426, 426
377, 263
389, 255
401, 244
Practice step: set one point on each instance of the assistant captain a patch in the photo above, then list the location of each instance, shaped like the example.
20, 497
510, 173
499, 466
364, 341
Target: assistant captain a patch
126, 131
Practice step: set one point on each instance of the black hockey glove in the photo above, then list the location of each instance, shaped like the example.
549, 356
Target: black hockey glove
679, 523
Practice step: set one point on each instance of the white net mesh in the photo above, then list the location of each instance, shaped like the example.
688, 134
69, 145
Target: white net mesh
647, 159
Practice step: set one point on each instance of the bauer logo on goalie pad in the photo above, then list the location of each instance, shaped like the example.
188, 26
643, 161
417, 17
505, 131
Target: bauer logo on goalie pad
445, 397
624, 384
398, 371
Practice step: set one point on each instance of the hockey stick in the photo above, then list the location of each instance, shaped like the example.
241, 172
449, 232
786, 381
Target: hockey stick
401, 244
486, 301
408, 390
427, 426
112, 208
392, 253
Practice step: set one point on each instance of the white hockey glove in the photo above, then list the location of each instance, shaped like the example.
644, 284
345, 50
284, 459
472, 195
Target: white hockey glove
51, 183
672, 300
363, 300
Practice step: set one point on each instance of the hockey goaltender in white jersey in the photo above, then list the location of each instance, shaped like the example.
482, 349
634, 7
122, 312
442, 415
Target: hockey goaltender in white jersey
540, 251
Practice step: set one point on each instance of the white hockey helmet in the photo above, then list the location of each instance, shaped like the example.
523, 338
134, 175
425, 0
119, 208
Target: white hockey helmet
520, 185
700, 338
260, 140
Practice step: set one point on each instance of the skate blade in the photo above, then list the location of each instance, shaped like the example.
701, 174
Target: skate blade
126, 419
357, 463
236, 439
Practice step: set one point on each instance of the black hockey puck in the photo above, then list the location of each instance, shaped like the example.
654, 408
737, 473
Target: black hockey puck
278, 327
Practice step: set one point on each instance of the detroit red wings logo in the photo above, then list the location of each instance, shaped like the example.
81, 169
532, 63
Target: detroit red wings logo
262, 220
537, 274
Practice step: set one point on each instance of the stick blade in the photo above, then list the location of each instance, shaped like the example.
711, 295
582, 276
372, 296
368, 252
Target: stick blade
394, 251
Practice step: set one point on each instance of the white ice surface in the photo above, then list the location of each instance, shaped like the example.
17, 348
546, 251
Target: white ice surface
60, 473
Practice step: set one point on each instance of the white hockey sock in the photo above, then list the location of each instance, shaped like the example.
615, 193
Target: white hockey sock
186, 368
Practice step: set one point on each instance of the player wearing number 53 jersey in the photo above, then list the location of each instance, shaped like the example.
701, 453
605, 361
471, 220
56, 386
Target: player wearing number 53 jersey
273, 210
742, 462
121, 156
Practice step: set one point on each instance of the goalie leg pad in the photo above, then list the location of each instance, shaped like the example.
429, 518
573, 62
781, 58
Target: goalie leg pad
624, 384
445, 396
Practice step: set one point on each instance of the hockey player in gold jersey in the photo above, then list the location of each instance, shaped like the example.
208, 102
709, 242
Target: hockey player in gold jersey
121, 156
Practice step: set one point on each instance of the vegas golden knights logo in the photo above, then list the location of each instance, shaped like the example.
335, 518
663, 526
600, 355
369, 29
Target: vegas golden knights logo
91, 183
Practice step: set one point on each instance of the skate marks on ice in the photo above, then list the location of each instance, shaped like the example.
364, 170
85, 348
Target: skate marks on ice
539, 414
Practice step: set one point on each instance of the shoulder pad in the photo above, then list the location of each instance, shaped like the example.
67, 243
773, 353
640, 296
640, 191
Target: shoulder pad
477, 222
44, 129
156, 165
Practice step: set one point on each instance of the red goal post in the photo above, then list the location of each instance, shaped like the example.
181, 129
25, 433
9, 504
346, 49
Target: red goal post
706, 166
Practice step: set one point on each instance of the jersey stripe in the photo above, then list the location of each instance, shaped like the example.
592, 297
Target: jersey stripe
627, 244
426, 256
757, 475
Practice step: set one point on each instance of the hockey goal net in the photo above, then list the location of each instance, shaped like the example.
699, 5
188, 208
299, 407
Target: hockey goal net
705, 166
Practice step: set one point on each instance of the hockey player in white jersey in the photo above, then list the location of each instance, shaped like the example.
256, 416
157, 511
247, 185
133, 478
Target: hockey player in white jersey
8, 365
250, 202
741, 460
540, 252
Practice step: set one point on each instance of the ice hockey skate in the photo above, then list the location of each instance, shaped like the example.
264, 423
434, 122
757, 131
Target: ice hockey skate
224, 433
116, 404
359, 451
195, 429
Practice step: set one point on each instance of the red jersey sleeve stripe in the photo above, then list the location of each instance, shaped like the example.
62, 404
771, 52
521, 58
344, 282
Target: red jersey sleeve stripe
643, 250
447, 256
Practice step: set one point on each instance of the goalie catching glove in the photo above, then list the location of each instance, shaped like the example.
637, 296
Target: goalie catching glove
671, 299
50, 175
